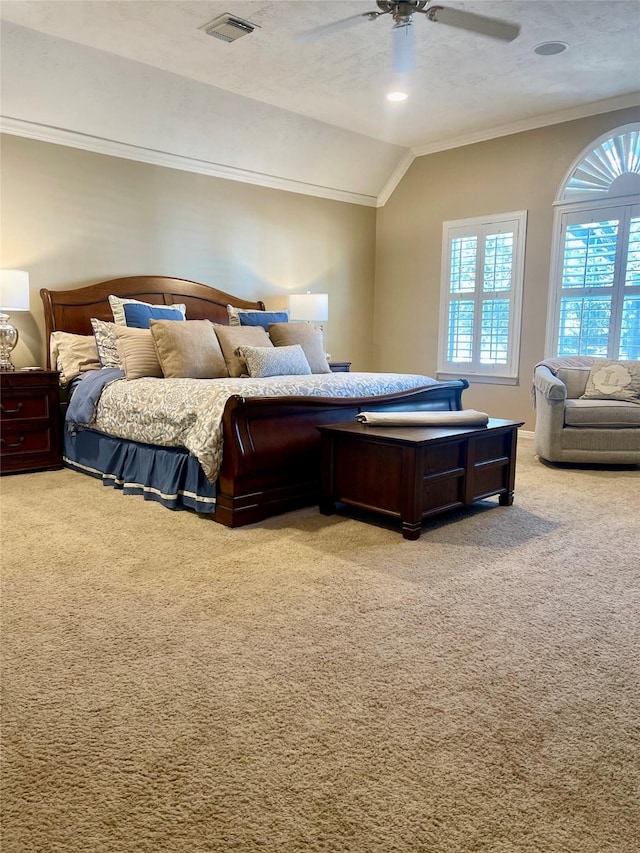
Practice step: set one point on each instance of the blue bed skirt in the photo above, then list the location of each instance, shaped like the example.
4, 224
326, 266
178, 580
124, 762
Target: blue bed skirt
169, 475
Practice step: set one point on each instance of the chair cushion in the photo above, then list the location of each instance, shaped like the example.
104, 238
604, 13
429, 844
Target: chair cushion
601, 413
575, 379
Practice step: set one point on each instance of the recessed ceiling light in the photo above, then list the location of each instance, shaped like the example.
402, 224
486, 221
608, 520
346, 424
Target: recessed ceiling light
550, 48
397, 96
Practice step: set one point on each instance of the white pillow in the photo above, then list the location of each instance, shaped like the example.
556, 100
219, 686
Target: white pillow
118, 311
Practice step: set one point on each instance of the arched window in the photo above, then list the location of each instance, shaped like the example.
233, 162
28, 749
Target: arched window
594, 298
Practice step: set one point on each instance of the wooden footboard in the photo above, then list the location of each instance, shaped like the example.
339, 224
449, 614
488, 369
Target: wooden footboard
271, 454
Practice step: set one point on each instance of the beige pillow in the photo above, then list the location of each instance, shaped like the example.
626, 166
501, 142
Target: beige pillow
309, 338
275, 361
613, 380
73, 354
137, 353
232, 337
188, 350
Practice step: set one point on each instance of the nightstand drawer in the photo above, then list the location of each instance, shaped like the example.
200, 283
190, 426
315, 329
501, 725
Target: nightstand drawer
16, 406
26, 438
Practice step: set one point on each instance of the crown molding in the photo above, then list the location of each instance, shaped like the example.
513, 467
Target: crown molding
583, 111
395, 178
112, 148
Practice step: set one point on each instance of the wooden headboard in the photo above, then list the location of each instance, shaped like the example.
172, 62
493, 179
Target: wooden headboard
72, 310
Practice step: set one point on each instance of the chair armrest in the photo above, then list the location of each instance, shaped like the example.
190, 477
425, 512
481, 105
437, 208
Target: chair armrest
549, 385
550, 396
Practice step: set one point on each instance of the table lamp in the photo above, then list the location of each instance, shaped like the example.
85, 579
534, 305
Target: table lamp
310, 308
14, 296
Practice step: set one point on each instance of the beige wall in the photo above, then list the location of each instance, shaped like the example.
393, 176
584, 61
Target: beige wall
71, 218
519, 172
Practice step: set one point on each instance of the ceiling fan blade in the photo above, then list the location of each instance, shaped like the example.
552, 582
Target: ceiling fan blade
493, 27
332, 27
403, 49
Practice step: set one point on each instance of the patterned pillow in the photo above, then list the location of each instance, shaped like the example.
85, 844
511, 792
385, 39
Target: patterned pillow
274, 361
309, 338
188, 350
232, 337
106, 343
117, 308
137, 353
242, 317
73, 354
613, 380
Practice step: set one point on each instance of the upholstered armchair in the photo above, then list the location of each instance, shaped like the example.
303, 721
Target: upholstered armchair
586, 415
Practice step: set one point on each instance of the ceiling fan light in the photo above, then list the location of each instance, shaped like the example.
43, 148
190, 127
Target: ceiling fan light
397, 96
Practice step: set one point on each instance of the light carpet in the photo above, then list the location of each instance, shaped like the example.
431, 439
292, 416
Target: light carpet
320, 684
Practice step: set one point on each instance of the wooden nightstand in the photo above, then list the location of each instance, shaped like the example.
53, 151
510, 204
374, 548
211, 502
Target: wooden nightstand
30, 421
340, 366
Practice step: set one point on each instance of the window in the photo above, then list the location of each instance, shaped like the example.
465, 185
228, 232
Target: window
594, 301
481, 296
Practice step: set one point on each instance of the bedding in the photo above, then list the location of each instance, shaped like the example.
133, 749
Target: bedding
239, 317
233, 337
188, 412
309, 338
82, 406
117, 304
167, 475
274, 361
72, 355
106, 343
189, 350
272, 455
138, 356
138, 316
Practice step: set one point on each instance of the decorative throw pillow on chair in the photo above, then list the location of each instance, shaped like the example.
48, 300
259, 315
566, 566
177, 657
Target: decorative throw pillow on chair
613, 380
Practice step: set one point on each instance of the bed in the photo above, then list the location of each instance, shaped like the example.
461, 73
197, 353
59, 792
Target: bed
270, 457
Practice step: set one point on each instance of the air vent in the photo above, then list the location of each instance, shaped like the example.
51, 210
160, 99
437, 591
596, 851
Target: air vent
228, 28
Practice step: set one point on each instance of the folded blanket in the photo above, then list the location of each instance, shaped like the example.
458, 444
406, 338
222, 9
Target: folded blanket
463, 417
568, 362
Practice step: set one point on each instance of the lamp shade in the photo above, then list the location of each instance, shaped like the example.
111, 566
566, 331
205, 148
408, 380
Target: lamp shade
14, 290
312, 307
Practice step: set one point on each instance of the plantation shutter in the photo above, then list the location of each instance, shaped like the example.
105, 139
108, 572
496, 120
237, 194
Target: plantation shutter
480, 297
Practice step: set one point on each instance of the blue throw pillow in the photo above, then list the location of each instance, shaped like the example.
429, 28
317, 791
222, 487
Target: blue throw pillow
262, 318
246, 317
138, 314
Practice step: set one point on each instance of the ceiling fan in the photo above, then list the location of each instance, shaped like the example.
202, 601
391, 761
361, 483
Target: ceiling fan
403, 33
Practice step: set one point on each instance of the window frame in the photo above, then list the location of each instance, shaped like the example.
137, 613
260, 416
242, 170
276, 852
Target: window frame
618, 180
562, 213
506, 373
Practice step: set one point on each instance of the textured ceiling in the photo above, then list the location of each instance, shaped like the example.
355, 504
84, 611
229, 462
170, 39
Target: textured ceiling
463, 83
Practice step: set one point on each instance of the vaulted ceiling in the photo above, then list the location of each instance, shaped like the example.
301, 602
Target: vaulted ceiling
330, 91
